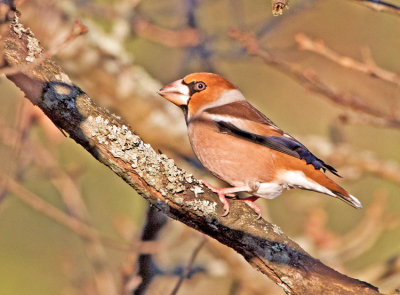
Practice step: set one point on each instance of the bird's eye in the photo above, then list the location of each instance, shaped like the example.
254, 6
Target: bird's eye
199, 86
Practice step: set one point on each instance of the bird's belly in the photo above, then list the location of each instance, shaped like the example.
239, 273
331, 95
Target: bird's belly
270, 190
233, 160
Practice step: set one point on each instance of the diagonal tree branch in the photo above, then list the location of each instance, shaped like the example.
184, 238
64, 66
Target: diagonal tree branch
156, 177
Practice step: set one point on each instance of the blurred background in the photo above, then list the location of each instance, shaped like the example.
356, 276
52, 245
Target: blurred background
134, 47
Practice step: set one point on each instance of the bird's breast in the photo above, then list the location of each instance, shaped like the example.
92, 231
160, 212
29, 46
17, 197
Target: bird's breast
232, 159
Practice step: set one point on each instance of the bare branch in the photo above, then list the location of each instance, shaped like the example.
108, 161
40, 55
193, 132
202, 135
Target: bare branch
77, 30
369, 68
359, 162
54, 213
55, 173
380, 6
102, 275
155, 221
186, 37
189, 265
310, 80
166, 186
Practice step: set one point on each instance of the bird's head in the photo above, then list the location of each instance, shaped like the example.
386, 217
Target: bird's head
198, 91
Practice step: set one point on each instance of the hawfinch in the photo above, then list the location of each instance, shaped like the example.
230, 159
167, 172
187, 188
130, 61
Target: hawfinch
244, 148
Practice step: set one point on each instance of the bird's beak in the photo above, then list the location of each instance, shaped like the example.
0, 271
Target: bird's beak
176, 92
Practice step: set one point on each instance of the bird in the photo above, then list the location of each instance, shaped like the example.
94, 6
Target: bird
241, 146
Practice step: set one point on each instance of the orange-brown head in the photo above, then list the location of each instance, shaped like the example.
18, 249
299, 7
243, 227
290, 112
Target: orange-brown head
198, 91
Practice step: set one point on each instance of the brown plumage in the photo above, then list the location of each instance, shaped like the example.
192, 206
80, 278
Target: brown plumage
241, 146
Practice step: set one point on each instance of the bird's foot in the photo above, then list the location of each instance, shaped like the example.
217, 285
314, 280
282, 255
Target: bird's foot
250, 202
221, 196
227, 192
223, 200
215, 189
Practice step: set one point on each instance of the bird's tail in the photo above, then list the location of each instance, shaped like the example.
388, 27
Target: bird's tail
337, 191
349, 199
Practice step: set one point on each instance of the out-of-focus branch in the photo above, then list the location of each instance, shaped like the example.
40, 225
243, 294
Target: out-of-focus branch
367, 232
238, 272
55, 173
24, 121
102, 275
340, 249
147, 268
54, 213
310, 80
381, 6
35, 56
166, 186
369, 67
140, 25
353, 118
186, 37
278, 6
201, 49
189, 265
356, 162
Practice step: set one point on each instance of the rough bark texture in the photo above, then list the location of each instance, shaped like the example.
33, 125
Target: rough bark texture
156, 177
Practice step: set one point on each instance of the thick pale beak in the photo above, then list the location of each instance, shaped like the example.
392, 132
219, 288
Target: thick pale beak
176, 92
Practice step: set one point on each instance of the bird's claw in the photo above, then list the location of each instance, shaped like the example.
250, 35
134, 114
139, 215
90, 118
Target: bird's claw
225, 203
226, 212
250, 202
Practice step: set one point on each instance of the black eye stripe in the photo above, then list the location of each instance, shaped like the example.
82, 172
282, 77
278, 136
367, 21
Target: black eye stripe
195, 86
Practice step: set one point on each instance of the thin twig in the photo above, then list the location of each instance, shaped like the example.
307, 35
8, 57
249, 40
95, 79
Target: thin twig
43, 158
45, 208
38, 204
341, 249
310, 79
155, 222
185, 37
24, 121
369, 68
238, 271
103, 276
361, 119
78, 29
189, 265
367, 232
357, 162
380, 6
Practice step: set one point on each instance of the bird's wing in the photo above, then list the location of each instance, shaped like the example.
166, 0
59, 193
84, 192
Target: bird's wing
241, 119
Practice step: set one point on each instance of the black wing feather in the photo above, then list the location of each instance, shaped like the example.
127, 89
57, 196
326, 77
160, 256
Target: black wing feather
281, 144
